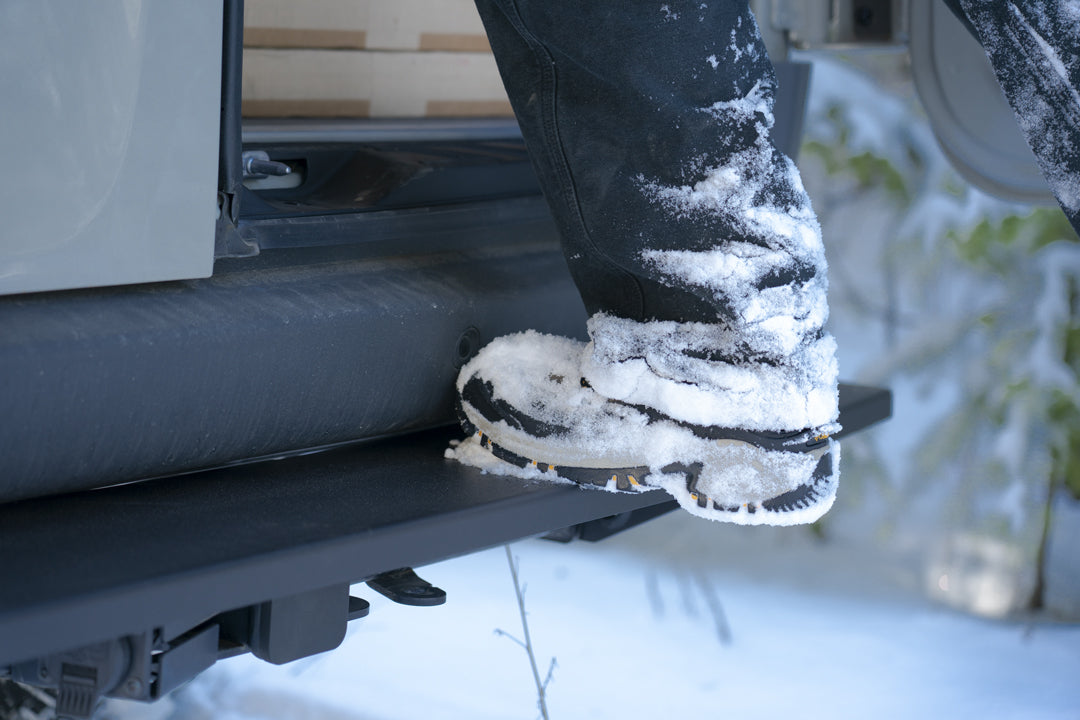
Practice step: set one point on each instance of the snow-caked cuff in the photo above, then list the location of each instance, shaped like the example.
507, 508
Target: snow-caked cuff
771, 321
671, 367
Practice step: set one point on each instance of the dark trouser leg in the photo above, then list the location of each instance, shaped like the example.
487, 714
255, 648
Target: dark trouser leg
1034, 47
626, 107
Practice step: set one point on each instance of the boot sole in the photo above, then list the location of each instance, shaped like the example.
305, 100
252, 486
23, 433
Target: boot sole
803, 504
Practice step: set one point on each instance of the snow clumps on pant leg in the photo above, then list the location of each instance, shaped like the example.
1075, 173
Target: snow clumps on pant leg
766, 365
679, 369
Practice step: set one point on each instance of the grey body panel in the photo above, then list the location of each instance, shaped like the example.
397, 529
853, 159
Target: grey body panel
111, 121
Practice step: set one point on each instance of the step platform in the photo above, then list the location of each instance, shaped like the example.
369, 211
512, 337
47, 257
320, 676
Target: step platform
165, 577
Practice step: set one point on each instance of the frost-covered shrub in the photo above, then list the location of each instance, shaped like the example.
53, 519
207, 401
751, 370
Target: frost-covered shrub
967, 307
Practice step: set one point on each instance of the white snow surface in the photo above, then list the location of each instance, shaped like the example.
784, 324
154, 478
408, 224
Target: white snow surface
540, 375
734, 190
658, 364
670, 619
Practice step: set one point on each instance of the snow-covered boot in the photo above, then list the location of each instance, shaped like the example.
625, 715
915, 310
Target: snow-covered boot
696, 253
529, 412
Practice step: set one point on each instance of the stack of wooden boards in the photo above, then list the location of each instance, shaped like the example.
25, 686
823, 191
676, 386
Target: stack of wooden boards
368, 58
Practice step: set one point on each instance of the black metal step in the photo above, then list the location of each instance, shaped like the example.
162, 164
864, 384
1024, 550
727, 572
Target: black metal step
167, 555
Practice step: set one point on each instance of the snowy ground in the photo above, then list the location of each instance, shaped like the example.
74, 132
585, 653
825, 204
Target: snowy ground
677, 618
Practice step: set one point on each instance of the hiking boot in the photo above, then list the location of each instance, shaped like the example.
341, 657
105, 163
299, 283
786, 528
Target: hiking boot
529, 411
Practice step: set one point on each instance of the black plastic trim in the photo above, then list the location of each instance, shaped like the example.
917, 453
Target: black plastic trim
291, 350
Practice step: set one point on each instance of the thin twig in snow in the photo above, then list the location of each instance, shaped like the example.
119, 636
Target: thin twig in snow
519, 590
716, 609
